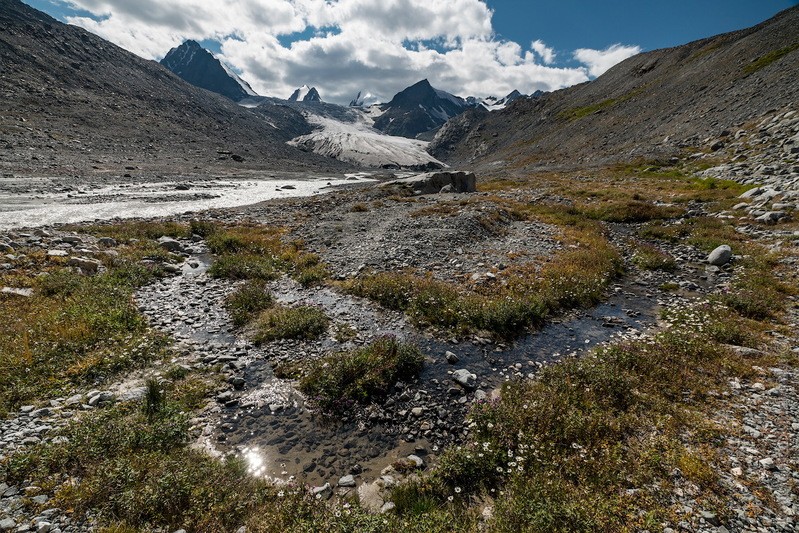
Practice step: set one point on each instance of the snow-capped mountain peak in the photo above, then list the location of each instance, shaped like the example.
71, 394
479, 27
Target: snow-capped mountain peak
418, 110
305, 94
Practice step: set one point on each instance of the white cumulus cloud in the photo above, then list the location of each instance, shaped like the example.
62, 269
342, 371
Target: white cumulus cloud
546, 53
599, 61
345, 46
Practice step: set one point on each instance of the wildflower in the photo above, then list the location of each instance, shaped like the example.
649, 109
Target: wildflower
457, 490
450, 498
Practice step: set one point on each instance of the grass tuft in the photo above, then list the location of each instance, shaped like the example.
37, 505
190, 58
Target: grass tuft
248, 300
338, 381
650, 257
525, 296
303, 322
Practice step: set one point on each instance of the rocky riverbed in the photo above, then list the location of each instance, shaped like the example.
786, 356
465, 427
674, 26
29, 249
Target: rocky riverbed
266, 420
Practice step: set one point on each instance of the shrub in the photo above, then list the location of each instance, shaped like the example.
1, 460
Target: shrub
338, 381
303, 322
245, 266
248, 300
649, 257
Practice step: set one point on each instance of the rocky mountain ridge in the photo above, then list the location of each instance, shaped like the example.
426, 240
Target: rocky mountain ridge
681, 98
418, 109
73, 102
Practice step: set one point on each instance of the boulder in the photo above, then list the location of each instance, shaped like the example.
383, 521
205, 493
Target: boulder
87, 265
465, 378
771, 217
25, 293
347, 481
107, 242
322, 493
170, 244
451, 358
435, 182
720, 256
416, 461
751, 193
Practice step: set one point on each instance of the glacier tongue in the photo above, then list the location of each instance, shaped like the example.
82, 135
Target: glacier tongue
360, 144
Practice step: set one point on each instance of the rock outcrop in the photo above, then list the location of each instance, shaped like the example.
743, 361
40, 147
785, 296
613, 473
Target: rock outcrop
435, 182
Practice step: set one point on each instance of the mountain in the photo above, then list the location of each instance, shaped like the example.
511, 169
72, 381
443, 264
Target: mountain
357, 101
417, 110
653, 105
199, 67
492, 103
305, 94
74, 103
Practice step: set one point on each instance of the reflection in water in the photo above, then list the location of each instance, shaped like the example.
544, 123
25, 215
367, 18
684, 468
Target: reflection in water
256, 466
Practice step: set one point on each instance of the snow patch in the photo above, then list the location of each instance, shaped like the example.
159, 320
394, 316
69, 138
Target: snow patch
244, 85
457, 100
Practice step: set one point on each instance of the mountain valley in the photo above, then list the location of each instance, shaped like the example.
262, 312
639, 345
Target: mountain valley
566, 311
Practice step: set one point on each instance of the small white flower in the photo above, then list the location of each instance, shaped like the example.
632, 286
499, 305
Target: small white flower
450, 498
457, 490
280, 494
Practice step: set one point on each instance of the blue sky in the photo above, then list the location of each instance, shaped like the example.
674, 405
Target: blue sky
468, 47
651, 24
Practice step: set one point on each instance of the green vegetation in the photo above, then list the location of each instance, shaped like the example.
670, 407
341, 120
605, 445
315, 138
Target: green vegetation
258, 252
75, 329
558, 453
577, 113
248, 300
755, 292
650, 257
303, 322
766, 60
126, 231
522, 297
136, 470
629, 211
706, 233
338, 381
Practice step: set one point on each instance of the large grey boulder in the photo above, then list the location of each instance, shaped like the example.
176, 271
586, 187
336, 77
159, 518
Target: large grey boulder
720, 256
465, 378
435, 182
26, 293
